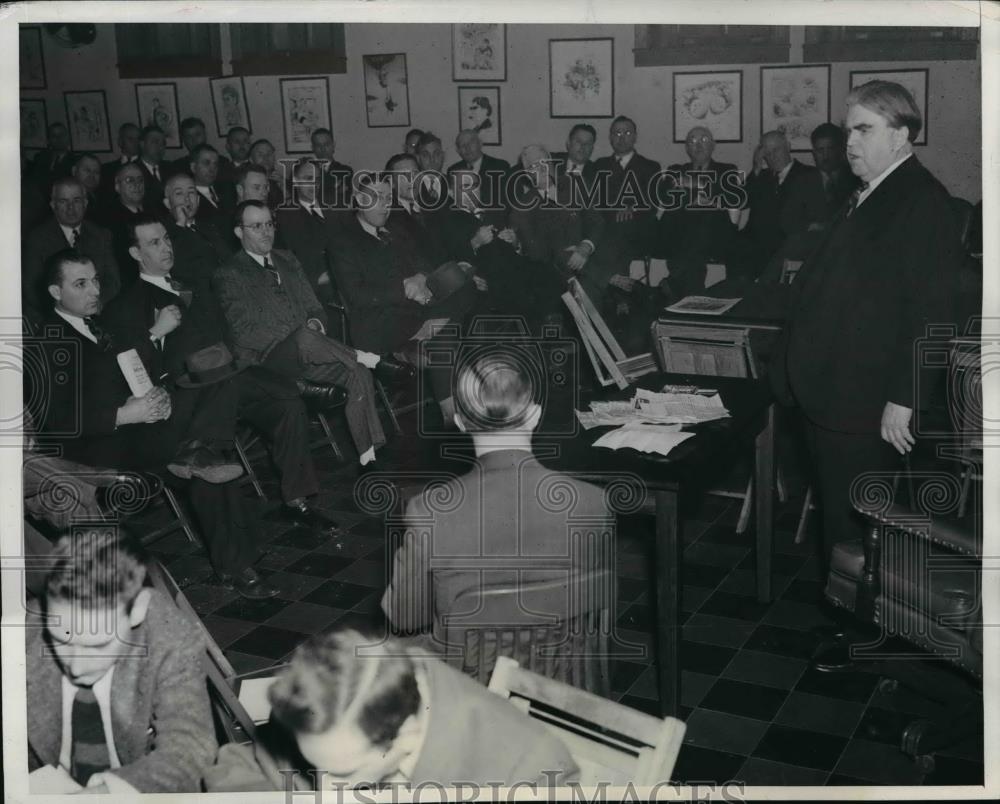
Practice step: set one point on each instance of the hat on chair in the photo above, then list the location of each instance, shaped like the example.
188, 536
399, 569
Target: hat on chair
210, 365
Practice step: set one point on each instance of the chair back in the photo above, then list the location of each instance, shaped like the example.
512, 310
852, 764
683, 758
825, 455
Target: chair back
610, 742
789, 270
716, 350
558, 628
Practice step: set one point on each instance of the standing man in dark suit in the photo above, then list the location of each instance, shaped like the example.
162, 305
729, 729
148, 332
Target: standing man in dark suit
217, 201
630, 191
67, 229
238, 149
152, 144
335, 187
830, 158
492, 171
128, 146
199, 246
575, 160
192, 135
885, 270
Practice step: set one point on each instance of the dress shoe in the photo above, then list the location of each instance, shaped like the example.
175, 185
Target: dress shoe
196, 459
833, 657
249, 584
306, 516
391, 370
129, 492
328, 396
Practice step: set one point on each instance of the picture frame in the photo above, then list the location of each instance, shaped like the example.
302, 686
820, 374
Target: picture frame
305, 107
156, 105
479, 51
712, 99
229, 102
387, 90
582, 77
479, 110
31, 58
34, 123
915, 80
87, 120
795, 99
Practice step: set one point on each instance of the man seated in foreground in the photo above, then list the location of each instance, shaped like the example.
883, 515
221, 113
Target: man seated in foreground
352, 711
116, 695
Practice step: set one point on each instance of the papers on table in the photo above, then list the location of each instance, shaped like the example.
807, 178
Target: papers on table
703, 305
645, 437
658, 408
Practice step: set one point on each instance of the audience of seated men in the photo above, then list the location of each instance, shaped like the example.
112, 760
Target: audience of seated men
192, 133
95, 418
492, 171
126, 204
275, 320
128, 151
335, 177
182, 321
67, 228
237, 154
353, 711
152, 146
519, 536
116, 696
200, 246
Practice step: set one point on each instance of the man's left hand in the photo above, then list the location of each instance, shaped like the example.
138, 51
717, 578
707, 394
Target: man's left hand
623, 215
480, 283
577, 256
896, 427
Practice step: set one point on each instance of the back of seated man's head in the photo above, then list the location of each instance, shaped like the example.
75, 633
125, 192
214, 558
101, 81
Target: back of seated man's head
495, 393
94, 596
347, 699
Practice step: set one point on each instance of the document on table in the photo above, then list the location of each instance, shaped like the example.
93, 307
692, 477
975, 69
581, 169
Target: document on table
644, 437
658, 408
704, 305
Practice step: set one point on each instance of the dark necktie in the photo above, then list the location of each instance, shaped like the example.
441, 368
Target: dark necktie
75, 239
273, 271
89, 749
213, 195
185, 294
103, 336
855, 197
192, 227
384, 236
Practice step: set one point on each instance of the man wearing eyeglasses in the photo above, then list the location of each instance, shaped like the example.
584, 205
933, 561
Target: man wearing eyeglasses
125, 206
67, 229
199, 246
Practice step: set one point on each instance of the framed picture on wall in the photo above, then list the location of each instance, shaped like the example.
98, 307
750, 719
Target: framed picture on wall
479, 51
479, 110
305, 107
32, 62
711, 100
387, 93
915, 81
795, 99
157, 105
582, 77
87, 117
34, 122
229, 100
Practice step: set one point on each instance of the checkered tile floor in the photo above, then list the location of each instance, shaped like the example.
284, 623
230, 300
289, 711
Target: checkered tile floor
754, 710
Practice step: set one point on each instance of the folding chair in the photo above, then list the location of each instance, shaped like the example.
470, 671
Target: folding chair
612, 744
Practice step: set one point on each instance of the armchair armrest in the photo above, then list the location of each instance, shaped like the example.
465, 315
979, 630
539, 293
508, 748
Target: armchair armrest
943, 534
338, 310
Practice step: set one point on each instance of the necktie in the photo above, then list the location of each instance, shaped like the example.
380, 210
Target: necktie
855, 197
212, 194
273, 271
384, 236
621, 162
191, 226
186, 295
75, 239
102, 336
89, 750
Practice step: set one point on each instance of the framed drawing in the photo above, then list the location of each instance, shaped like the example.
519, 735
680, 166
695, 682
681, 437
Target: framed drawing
387, 93
479, 51
34, 123
305, 107
795, 99
582, 77
712, 100
229, 100
915, 82
32, 62
479, 110
157, 105
87, 117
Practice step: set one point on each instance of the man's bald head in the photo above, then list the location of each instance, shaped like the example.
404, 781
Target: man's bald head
777, 154
468, 145
535, 160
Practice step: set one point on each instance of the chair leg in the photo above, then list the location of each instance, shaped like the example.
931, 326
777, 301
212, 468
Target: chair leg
800, 530
325, 424
245, 460
380, 389
179, 513
744, 519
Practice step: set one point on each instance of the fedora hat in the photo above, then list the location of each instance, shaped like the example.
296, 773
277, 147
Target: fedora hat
209, 365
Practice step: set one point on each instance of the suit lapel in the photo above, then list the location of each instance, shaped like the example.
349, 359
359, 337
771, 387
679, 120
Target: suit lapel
127, 691
44, 700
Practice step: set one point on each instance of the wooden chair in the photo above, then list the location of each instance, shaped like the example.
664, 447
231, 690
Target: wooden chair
606, 355
558, 628
610, 743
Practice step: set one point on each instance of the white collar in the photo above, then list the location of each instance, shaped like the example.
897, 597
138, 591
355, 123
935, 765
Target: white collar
158, 281
573, 167
783, 174
206, 193
372, 230
154, 169
477, 164
257, 258
68, 232
624, 160
407, 204
77, 323
312, 205
881, 177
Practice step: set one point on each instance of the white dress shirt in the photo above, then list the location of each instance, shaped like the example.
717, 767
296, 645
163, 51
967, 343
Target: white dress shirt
783, 173
77, 323
880, 178
624, 160
102, 692
154, 169
312, 208
68, 232
206, 193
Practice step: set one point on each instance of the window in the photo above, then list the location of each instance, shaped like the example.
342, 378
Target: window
167, 50
288, 48
657, 45
888, 43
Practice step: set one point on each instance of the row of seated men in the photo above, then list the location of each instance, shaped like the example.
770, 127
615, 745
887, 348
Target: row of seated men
349, 710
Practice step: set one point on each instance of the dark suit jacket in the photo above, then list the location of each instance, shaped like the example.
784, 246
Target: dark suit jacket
547, 230
261, 314
221, 215
837, 189
336, 190
228, 171
694, 230
779, 210
503, 507
878, 278
198, 252
561, 158
160, 713
46, 167
46, 239
493, 175
182, 164
116, 219
635, 177
311, 239
153, 198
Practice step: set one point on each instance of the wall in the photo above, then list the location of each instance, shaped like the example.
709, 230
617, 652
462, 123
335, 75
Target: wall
953, 151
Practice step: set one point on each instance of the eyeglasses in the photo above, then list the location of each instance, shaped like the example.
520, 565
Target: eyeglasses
699, 140
257, 228
133, 180
625, 133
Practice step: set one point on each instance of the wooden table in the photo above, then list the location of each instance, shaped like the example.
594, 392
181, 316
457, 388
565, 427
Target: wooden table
751, 411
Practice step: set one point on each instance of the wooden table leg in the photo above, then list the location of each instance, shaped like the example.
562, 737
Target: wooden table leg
764, 487
668, 601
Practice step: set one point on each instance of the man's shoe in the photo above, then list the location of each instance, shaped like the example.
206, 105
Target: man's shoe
391, 370
199, 460
306, 516
833, 657
129, 492
329, 396
249, 584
